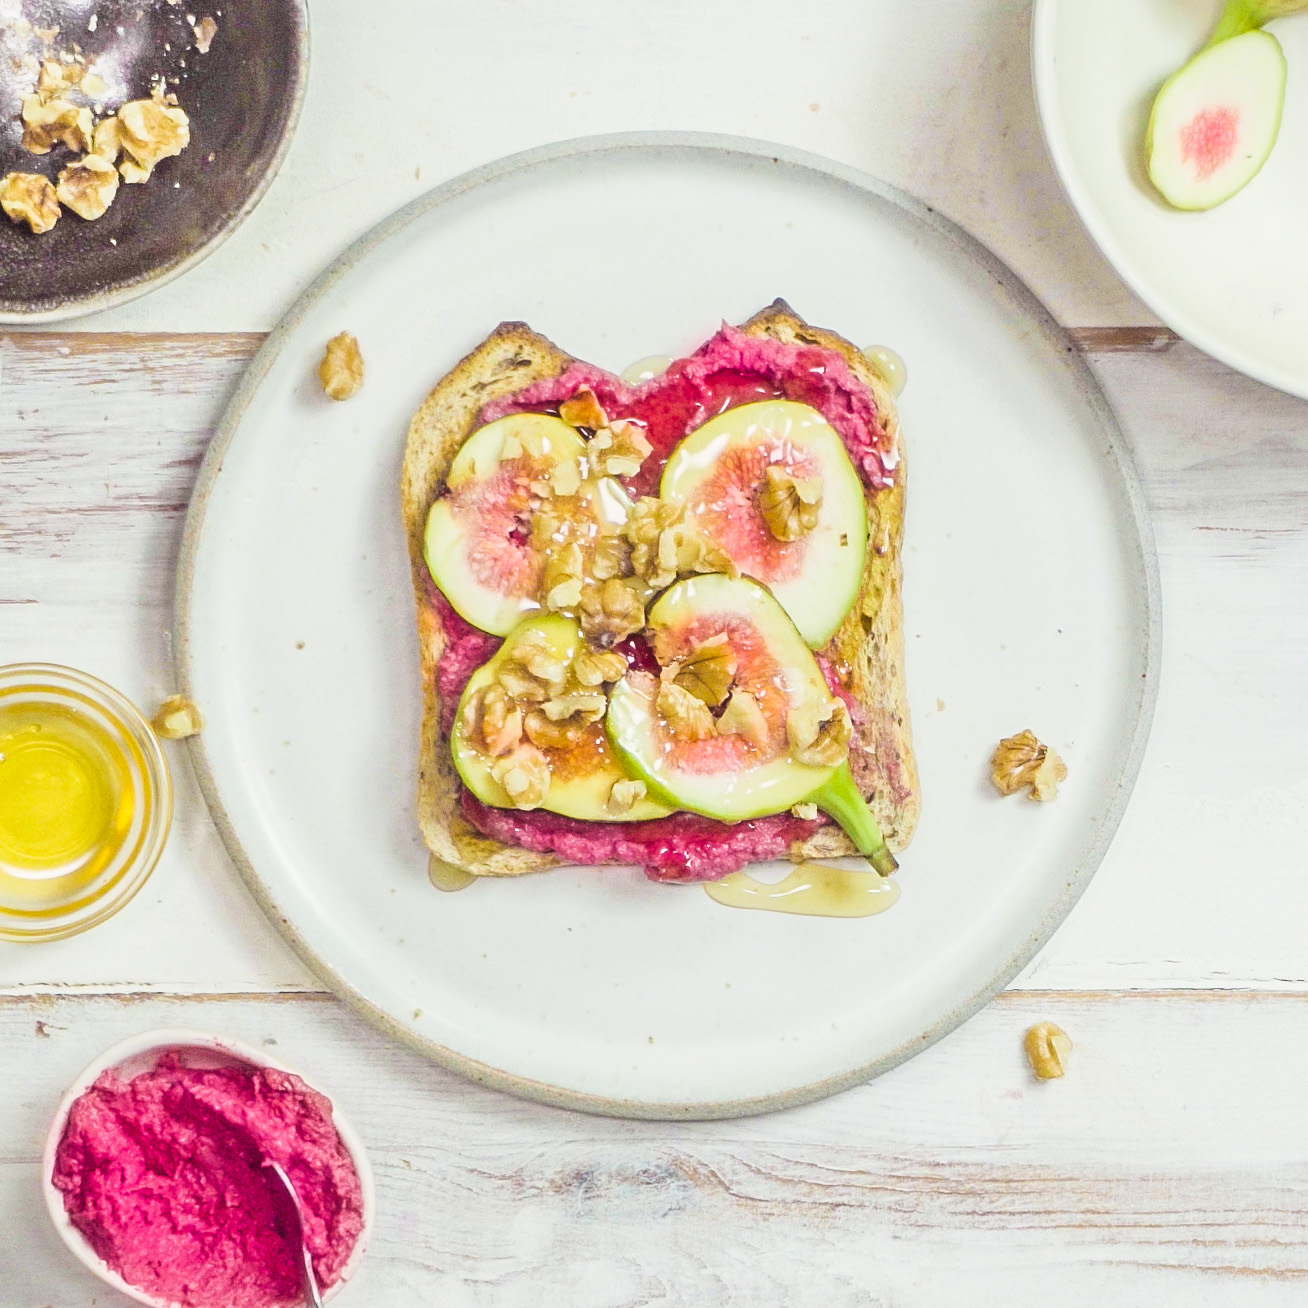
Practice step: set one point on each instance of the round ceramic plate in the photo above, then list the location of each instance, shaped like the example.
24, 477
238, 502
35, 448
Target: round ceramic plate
1031, 601
1232, 281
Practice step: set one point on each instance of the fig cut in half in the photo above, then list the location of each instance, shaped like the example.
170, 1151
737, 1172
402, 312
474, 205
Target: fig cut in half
730, 775
581, 775
734, 474
1215, 121
478, 542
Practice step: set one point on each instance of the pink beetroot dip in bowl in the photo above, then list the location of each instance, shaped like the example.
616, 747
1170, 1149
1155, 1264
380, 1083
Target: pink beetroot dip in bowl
157, 1186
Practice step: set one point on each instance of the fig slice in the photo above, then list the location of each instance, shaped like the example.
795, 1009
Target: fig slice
582, 775
733, 473
724, 774
1215, 121
478, 543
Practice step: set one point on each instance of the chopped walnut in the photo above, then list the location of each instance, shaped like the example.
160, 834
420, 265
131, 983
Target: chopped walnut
29, 198
88, 186
584, 706
532, 650
623, 796
688, 718
177, 718
1022, 760
610, 556
584, 410
565, 478
492, 721
107, 142
744, 717
525, 776
1047, 1047
789, 507
618, 449
150, 130
805, 812
819, 733
707, 671
55, 78
94, 87
341, 369
205, 31
595, 667
56, 122
610, 611
562, 579
545, 734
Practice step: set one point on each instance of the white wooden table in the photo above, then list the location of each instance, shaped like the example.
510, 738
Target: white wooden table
1169, 1167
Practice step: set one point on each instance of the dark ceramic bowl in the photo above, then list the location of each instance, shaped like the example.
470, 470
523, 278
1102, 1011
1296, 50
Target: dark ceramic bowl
243, 99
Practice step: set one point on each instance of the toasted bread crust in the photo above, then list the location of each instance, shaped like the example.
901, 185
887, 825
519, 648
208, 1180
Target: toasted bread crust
868, 648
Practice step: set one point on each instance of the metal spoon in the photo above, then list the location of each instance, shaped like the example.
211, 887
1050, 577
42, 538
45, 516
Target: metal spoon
293, 1203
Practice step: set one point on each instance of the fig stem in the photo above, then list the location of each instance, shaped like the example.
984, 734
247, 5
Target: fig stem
1242, 16
840, 799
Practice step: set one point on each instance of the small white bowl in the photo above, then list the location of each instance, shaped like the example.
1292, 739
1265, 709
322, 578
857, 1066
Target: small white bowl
198, 1049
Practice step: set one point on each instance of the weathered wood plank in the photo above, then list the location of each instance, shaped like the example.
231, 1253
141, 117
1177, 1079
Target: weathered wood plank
1170, 1165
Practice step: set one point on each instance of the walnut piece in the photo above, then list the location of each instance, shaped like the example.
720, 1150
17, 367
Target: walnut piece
55, 78
562, 577
525, 776
341, 369
546, 734
610, 611
595, 667
584, 410
29, 198
1022, 760
819, 733
584, 706
205, 31
610, 556
565, 478
707, 671
150, 130
1047, 1047
618, 449
107, 141
805, 812
531, 651
55, 122
492, 721
623, 796
744, 717
177, 718
688, 718
789, 507
88, 186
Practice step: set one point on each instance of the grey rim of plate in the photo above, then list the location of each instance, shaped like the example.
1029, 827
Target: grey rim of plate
133, 290
596, 148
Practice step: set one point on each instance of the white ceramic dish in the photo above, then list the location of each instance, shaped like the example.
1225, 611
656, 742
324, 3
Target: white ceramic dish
1031, 601
1232, 281
197, 1049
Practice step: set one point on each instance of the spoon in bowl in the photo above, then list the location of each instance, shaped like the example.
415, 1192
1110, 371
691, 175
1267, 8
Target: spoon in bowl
293, 1205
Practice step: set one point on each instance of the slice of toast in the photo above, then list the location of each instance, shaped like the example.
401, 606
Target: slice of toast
868, 647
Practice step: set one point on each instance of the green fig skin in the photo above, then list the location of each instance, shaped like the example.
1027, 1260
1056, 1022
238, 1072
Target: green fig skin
1242, 16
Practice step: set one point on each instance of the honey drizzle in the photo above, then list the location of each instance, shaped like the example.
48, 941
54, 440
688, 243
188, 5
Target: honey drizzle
445, 876
812, 890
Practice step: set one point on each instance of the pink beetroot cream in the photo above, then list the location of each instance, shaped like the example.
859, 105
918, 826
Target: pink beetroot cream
163, 1174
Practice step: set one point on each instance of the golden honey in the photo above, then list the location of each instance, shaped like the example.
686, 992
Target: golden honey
85, 802
811, 890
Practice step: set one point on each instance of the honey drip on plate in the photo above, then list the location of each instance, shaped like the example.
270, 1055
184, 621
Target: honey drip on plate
445, 876
812, 889
646, 369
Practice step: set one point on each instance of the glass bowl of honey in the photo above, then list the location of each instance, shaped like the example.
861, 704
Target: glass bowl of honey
85, 801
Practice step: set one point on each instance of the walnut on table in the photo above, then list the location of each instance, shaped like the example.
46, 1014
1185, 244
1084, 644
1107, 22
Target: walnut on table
341, 369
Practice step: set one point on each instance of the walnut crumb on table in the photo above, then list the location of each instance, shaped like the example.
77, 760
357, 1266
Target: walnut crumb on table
177, 718
1047, 1047
341, 369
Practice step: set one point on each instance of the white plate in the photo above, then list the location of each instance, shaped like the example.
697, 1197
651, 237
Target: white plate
1234, 280
1031, 601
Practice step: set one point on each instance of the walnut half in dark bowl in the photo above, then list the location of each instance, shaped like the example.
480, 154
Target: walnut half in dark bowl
157, 124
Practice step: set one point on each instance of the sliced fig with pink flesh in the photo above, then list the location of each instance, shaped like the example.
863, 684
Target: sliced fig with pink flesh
735, 776
478, 543
581, 776
727, 472
1215, 121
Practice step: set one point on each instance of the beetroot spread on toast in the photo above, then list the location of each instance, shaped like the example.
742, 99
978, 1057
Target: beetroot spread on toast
731, 369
